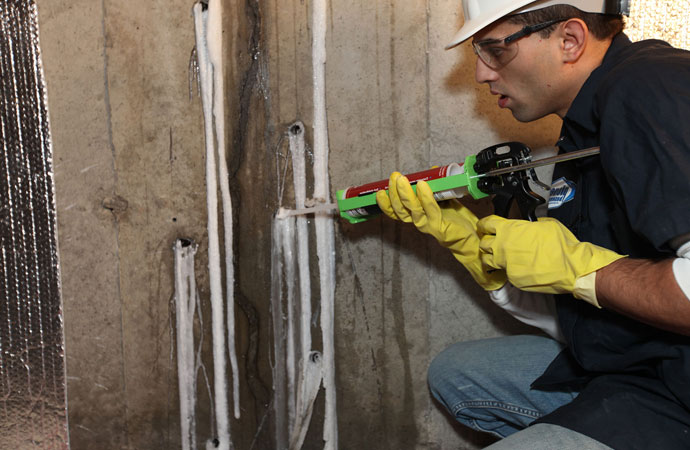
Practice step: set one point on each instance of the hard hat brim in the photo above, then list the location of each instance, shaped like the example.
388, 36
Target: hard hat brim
483, 20
472, 26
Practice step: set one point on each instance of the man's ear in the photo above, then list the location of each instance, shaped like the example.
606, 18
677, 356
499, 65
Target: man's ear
573, 36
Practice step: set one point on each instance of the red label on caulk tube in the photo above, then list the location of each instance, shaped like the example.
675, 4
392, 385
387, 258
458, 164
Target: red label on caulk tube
425, 175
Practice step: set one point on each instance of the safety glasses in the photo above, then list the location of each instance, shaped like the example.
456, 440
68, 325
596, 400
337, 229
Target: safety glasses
496, 53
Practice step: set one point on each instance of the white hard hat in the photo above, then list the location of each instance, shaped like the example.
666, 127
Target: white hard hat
482, 13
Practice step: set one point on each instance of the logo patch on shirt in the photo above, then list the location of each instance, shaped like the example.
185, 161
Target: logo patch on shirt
562, 191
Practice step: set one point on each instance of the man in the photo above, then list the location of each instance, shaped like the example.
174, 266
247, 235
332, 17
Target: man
613, 258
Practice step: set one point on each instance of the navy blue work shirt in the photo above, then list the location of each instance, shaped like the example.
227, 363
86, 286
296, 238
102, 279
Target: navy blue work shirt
634, 379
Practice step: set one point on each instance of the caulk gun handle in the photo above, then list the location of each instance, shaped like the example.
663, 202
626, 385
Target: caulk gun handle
511, 185
526, 199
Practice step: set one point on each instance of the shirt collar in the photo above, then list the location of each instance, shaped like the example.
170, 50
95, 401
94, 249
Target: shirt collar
581, 111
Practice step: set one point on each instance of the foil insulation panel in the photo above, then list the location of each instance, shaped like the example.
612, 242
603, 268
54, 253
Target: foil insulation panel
32, 369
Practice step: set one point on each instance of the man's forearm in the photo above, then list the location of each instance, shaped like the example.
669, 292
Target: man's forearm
645, 290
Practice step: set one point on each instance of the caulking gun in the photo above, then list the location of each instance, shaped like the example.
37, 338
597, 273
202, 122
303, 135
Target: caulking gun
502, 170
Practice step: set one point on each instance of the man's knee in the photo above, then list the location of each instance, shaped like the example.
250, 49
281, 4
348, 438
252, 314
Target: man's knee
482, 358
461, 365
488, 367
448, 366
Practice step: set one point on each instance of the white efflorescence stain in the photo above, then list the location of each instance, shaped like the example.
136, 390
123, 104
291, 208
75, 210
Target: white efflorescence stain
325, 238
288, 243
279, 363
185, 305
214, 38
310, 363
297, 151
299, 374
298, 371
209, 50
303, 367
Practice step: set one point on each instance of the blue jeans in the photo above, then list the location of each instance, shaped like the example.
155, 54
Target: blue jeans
485, 385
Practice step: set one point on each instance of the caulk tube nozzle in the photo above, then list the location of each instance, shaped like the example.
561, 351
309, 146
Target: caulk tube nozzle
324, 207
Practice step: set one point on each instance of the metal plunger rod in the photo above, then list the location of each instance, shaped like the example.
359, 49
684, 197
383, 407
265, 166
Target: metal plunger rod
542, 162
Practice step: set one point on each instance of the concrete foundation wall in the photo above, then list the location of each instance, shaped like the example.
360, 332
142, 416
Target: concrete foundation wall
129, 163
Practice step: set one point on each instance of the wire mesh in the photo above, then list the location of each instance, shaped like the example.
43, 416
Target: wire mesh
32, 374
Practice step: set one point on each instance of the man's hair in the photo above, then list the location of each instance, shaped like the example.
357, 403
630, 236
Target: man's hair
602, 26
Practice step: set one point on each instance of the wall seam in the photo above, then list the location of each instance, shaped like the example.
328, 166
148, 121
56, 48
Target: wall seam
428, 309
111, 145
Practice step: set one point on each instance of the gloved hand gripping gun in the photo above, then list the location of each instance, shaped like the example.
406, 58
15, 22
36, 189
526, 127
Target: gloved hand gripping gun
502, 170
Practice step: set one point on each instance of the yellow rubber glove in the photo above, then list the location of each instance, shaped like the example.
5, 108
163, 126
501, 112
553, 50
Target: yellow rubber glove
453, 225
543, 256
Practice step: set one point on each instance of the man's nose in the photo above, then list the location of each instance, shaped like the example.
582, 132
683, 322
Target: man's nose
484, 73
